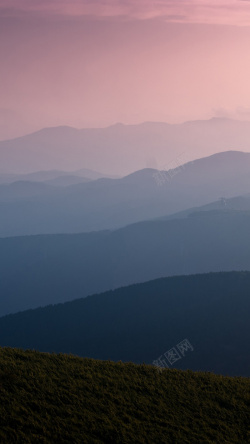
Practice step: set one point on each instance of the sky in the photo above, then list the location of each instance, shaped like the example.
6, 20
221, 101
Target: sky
95, 63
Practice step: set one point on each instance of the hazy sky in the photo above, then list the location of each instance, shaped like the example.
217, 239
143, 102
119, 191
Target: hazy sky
95, 63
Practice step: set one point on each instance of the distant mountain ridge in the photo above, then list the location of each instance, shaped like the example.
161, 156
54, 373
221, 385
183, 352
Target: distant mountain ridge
238, 203
120, 149
40, 270
51, 175
112, 203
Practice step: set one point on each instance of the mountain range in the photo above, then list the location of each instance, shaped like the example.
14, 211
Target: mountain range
198, 322
122, 149
39, 270
28, 208
52, 175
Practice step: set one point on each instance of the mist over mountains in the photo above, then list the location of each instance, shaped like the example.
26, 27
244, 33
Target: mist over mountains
71, 232
42, 208
124, 249
122, 149
50, 176
39, 270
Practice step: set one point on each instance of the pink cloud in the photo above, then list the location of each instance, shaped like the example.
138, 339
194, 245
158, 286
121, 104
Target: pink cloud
229, 12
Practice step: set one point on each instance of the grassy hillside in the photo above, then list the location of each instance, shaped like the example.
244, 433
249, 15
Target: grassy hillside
63, 399
141, 322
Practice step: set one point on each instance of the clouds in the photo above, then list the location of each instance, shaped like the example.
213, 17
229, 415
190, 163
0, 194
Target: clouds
224, 12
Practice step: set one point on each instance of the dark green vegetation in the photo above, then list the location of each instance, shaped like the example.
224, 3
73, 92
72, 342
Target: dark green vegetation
63, 399
141, 322
40, 270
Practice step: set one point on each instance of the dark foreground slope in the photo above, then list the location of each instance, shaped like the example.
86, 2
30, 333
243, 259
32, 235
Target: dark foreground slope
144, 321
63, 399
41, 270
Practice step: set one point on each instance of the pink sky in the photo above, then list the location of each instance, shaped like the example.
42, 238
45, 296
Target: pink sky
234, 12
95, 63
